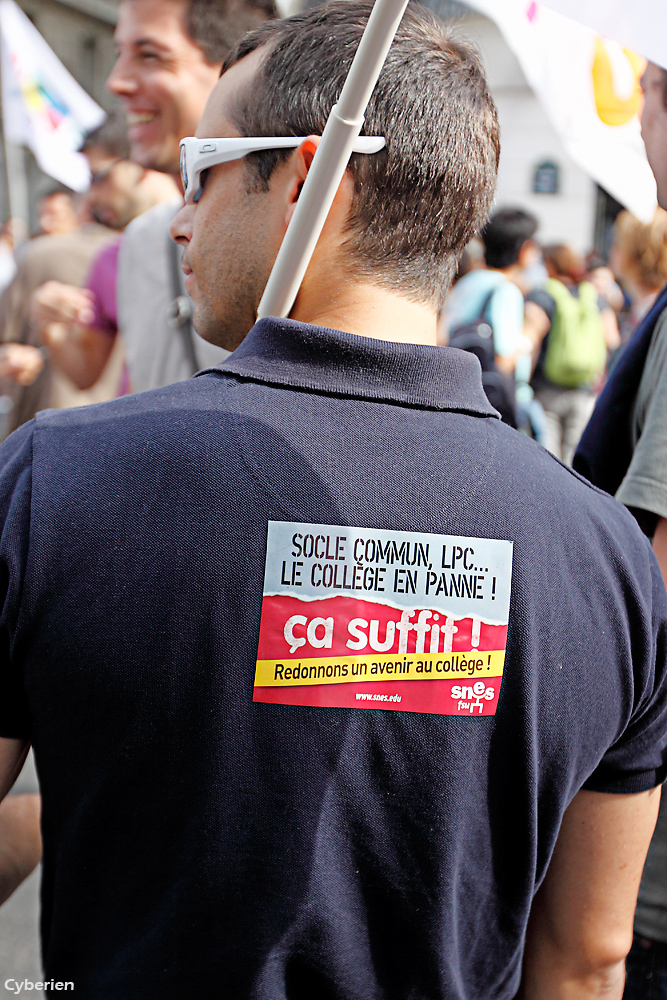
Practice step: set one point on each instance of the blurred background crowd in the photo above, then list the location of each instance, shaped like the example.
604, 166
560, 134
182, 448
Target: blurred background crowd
561, 266
546, 320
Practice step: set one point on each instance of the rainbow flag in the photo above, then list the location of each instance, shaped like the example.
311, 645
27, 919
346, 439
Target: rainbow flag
43, 106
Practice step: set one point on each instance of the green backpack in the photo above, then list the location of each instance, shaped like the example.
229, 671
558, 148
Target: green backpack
576, 350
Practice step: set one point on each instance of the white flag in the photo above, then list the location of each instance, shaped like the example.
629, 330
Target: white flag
43, 106
640, 25
589, 88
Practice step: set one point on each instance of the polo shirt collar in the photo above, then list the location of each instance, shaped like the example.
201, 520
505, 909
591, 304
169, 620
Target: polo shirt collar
301, 356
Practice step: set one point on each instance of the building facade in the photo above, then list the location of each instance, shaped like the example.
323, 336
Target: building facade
535, 171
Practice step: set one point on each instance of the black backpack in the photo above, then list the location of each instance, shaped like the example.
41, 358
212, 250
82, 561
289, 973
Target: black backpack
477, 338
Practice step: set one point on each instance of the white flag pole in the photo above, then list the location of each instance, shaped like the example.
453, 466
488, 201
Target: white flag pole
330, 160
17, 186
17, 181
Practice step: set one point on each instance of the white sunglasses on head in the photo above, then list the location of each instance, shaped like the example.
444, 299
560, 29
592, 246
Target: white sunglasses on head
200, 154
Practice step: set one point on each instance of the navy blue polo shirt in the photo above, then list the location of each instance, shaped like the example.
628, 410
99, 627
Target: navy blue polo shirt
208, 835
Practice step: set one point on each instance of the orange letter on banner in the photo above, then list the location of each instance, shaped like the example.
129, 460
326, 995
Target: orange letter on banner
612, 108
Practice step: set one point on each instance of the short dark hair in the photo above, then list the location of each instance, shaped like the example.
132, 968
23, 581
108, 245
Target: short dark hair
505, 233
111, 136
216, 25
419, 201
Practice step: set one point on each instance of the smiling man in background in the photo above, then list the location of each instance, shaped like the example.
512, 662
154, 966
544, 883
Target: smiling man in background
214, 818
169, 58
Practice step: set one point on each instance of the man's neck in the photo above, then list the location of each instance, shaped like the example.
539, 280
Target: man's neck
368, 311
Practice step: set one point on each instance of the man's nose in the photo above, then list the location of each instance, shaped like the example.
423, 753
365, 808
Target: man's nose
121, 80
180, 229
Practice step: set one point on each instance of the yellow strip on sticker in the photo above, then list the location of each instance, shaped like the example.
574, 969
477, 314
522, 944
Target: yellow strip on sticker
411, 667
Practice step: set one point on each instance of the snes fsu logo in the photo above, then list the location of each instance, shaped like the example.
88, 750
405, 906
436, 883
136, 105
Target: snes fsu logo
471, 697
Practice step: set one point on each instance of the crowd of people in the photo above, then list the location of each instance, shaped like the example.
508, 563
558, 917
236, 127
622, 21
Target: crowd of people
557, 320
195, 827
546, 323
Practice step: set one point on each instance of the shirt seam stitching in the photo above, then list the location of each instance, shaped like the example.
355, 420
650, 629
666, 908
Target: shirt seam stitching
263, 485
341, 394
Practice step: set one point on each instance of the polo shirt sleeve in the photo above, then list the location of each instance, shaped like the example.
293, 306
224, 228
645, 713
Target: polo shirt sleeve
506, 317
637, 761
645, 482
15, 504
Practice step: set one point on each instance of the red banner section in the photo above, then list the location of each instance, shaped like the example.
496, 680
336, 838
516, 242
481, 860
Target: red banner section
343, 626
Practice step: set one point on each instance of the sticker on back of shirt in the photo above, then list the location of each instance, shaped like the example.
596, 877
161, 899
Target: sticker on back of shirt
357, 618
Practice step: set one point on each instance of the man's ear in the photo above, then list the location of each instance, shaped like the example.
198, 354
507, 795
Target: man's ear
301, 161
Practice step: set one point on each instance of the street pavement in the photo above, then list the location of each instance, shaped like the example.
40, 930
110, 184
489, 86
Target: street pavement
19, 918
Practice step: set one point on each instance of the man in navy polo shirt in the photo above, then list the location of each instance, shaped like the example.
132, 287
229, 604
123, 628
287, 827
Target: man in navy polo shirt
337, 686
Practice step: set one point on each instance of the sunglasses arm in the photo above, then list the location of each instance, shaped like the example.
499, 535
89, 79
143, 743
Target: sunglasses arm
206, 153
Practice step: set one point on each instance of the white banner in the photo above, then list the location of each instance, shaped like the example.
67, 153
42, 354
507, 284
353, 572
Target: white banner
640, 25
43, 106
589, 88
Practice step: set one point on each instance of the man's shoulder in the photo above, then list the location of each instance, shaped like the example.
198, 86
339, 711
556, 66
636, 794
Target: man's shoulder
85, 238
108, 255
508, 296
660, 332
518, 461
143, 261
151, 223
479, 281
188, 396
655, 368
220, 427
466, 298
476, 286
541, 297
104, 267
558, 491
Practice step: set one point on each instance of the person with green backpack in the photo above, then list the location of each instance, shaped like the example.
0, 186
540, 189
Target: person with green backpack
574, 352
